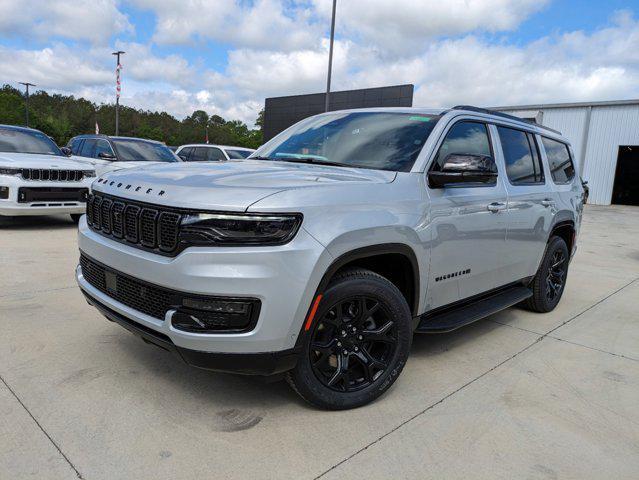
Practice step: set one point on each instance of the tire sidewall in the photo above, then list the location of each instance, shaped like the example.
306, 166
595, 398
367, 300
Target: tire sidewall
555, 244
306, 382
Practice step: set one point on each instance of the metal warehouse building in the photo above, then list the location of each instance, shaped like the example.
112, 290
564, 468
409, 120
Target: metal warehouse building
605, 139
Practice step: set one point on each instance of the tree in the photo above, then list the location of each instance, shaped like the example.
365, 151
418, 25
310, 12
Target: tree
63, 117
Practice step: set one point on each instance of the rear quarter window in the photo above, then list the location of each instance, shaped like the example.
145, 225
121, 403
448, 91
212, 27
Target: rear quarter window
560, 162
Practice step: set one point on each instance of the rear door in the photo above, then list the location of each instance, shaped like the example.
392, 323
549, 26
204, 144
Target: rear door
469, 223
530, 201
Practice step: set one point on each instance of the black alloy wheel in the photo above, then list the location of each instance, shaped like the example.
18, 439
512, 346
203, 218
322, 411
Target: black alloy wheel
352, 344
550, 281
357, 344
556, 275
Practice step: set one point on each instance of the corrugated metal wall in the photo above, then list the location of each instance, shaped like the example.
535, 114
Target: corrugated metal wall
610, 127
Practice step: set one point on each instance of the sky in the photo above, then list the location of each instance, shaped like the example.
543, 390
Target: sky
227, 56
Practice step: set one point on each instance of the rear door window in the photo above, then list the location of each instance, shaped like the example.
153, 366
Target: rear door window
520, 156
559, 160
199, 155
88, 148
215, 154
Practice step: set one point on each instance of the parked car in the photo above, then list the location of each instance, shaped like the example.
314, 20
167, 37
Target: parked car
211, 153
325, 251
36, 178
115, 153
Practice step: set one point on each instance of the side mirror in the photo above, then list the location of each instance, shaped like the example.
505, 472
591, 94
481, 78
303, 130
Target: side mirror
66, 151
183, 156
462, 168
106, 156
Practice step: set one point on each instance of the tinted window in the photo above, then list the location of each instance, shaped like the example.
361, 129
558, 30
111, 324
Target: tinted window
379, 140
87, 148
131, 150
238, 154
522, 165
199, 155
464, 138
27, 141
559, 161
214, 154
185, 152
102, 146
75, 145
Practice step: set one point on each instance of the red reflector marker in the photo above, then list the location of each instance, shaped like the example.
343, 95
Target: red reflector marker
311, 315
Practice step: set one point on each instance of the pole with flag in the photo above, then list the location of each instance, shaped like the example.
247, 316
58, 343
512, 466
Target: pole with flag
206, 139
117, 90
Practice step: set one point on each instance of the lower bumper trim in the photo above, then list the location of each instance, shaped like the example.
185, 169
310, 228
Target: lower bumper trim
265, 363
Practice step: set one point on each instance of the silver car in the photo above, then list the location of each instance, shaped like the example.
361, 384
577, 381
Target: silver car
322, 254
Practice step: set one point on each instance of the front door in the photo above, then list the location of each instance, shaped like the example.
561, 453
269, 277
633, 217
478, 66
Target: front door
469, 223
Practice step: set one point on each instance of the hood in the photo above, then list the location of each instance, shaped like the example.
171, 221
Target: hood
35, 160
231, 185
105, 166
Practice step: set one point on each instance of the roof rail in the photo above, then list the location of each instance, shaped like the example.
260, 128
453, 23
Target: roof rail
470, 108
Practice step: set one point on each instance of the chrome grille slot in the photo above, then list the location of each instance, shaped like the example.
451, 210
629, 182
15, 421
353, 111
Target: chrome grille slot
117, 219
105, 208
131, 214
148, 227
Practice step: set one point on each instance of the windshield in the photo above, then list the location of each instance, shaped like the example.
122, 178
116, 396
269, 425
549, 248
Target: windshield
238, 154
24, 141
378, 140
143, 151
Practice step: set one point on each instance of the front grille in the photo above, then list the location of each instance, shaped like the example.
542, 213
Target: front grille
52, 194
141, 296
148, 227
52, 175
155, 301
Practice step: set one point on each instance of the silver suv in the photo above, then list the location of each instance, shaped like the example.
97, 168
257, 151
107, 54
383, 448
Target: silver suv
322, 254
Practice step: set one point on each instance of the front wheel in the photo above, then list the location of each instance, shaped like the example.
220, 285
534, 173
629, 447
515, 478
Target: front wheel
549, 282
357, 345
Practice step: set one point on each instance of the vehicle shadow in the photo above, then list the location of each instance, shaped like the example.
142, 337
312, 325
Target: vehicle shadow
49, 222
251, 393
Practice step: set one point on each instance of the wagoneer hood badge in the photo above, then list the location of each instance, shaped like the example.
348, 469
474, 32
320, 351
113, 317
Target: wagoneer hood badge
229, 186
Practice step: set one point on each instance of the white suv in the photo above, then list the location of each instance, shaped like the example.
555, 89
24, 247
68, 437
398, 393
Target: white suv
321, 254
36, 178
204, 152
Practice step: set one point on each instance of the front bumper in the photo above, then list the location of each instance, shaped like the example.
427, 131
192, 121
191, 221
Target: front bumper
284, 278
266, 364
13, 207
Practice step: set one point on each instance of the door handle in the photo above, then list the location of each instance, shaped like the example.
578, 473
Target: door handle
496, 207
546, 202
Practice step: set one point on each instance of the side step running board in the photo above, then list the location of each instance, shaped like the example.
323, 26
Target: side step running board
455, 317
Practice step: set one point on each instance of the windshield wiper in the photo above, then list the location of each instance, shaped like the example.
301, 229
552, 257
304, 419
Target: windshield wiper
305, 159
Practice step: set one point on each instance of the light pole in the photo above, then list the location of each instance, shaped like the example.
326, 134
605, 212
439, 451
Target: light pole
118, 67
26, 102
330, 58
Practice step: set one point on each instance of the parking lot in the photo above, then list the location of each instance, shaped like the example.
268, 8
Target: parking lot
517, 395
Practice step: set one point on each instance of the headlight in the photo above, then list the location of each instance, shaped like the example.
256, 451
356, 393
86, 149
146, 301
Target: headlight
88, 173
9, 171
229, 229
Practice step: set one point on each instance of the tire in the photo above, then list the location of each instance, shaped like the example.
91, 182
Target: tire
75, 217
358, 343
550, 280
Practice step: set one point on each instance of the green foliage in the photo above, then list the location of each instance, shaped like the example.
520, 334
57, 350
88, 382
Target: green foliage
63, 117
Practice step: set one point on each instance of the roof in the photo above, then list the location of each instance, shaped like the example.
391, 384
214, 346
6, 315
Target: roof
216, 145
19, 127
113, 137
546, 106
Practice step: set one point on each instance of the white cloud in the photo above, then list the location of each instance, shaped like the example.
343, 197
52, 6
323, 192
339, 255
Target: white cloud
402, 26
92, 20
262, 24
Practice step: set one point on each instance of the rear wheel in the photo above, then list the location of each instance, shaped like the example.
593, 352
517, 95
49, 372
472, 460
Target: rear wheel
75, 217
549, 282
358, 343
